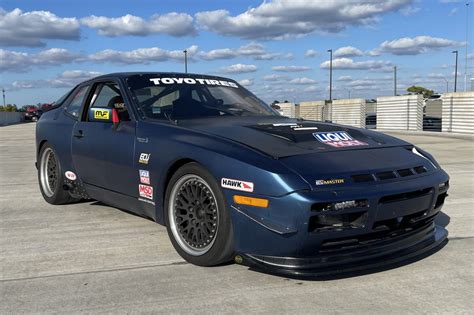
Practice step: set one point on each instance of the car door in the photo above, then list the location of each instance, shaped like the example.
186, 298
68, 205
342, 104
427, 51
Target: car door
103, 152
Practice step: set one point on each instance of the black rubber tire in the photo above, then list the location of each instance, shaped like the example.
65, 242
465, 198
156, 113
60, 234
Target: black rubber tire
60, 196
222, 249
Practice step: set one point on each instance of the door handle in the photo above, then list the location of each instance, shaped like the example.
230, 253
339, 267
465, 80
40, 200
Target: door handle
79, 134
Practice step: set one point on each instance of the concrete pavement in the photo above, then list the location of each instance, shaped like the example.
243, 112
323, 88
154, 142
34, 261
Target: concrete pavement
89, 257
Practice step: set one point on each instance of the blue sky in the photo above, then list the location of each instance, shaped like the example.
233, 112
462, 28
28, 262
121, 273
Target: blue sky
278, 49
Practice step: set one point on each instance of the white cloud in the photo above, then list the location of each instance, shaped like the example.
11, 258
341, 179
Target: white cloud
174, 24
246, 82
344, 78
290, 68
67, 79
15, 61
310, 53
302, 81
374, 52
364, 83
253, 50
239, 68
453, 11
409, 10
436, 76
349, 64
141, 55
415, 45
18, 28
274, 77
348, 51
280, 19
312, 88
470, 56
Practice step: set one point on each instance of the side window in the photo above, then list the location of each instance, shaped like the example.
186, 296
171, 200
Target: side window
74, 106
108, 95
103, 94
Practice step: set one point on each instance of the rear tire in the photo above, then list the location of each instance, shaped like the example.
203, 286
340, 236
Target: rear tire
51, 177
196, 217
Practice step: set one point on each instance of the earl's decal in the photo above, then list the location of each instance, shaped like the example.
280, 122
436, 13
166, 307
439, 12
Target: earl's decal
337, 139
101, 114
144, 177
236, 184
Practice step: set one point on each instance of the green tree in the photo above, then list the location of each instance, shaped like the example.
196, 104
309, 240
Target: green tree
10, 108
420, 90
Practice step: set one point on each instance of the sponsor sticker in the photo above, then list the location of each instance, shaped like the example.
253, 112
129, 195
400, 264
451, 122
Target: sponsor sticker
236, 184
333, 181
70, 175
160, 81
145, 191
147, 201
144, 177
144, 158
337, 139
101, 114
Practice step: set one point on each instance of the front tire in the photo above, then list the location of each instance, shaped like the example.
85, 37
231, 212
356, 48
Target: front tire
51, 177
196, 216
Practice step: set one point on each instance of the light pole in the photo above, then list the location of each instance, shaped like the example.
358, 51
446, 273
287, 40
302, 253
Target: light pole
330, 75
395, 81
467, 46
3, 91
185, 61
456, 71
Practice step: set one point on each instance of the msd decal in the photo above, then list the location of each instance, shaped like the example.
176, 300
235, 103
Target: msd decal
145, 177
145, 191
337, 139
237, 184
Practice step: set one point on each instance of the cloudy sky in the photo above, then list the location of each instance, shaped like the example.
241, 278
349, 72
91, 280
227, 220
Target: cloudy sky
278, 49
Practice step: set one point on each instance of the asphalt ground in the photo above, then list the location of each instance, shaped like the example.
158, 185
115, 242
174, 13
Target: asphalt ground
92, 258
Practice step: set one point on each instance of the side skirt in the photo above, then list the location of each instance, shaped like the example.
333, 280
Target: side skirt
121, 201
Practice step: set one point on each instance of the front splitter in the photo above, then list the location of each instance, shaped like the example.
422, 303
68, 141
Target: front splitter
307, 268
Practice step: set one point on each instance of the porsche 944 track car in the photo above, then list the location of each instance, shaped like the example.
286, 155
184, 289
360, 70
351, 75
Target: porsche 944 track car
232, 179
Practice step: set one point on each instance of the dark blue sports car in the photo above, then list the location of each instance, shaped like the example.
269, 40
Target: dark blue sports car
232, 179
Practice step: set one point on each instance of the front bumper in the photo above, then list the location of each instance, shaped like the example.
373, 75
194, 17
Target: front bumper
404, 249
295, 237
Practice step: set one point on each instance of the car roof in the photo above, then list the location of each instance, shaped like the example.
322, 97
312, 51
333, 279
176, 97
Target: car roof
160, 74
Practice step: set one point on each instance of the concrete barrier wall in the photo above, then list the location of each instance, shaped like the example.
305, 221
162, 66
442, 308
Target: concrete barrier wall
8, 118
458, 112
400, 112
289, 110
311, 110
349, 112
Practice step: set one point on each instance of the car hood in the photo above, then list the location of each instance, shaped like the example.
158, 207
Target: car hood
282, 137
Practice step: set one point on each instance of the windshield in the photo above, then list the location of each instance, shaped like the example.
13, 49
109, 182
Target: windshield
183, 97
